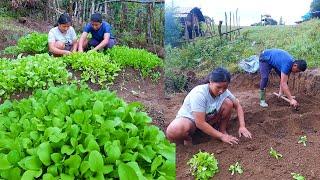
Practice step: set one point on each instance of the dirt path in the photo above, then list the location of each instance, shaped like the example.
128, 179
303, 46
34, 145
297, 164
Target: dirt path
279, 127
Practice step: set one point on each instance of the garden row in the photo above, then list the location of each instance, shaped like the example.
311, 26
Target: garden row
42, 70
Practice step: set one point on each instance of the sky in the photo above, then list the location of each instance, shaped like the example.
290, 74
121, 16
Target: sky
249, 10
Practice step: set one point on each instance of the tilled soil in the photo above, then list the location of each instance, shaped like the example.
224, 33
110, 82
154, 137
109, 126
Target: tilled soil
278, 126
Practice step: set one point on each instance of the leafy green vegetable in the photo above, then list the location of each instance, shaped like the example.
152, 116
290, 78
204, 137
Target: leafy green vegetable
34, 43
138, 59
72, 132
96, 67
31, 72
303, 140
275, 154
235, 168
297, 176
203, 165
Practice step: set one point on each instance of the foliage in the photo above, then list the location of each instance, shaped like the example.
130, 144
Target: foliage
172, 27
275, 154
297, 176
139, 59
96, 67
203, 165
175, 81
31, 72
74, 133
34, 43
303, 140
235, 168
315, 5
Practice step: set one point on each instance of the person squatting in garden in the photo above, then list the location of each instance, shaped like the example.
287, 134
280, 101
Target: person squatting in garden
283, 63
62, 39
208, 107
101, 34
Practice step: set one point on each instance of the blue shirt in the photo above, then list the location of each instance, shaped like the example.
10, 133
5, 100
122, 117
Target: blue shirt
98, 35
279, 59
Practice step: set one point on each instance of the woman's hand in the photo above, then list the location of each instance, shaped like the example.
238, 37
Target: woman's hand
244, 131
229, 139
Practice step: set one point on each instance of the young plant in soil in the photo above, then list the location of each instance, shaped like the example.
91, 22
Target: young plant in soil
235, 168
275, 154
303, 140
203, 165
297, 176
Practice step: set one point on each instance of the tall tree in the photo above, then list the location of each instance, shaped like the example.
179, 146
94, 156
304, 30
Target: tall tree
315, 5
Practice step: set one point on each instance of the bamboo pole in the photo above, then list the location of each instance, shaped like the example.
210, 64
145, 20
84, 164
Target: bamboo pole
226, 28
230, 26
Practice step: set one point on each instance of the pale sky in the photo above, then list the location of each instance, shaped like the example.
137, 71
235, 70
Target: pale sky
249, 10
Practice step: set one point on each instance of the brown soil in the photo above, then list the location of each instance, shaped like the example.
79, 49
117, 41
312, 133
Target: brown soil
279, 127
132, 87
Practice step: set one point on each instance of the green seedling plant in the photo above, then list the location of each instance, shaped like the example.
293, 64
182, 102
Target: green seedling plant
139, 59
72, 132
235, 168
31, 72
203, 165
297, 176
96, 67
275, 154
303, 140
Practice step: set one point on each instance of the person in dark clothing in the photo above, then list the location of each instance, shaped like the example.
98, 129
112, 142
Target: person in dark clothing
101, 34
283, 63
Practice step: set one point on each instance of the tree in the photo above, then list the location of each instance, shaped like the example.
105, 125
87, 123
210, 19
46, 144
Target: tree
315, 5
172, 26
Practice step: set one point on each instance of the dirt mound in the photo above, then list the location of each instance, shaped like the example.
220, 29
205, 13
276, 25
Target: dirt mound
278, 126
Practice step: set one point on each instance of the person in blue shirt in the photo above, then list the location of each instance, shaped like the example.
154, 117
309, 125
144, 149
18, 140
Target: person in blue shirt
283, 63
101, 34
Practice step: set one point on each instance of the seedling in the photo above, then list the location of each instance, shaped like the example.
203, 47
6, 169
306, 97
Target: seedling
275, 154
303, 140
235, 168
203, 165
297, 176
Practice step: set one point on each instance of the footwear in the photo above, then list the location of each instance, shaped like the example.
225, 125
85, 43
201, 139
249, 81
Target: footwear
263, 103
262, 94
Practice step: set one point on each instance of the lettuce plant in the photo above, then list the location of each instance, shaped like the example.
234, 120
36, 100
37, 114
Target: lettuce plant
235, 168
203, 165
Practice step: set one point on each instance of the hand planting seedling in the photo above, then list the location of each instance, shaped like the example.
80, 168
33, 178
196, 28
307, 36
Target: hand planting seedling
235, 168
275, 154
303, 140
203, 165
297, 176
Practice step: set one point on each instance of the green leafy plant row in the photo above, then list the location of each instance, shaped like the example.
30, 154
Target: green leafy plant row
31, 72
96, 67
74, 133
34, 43
139, 59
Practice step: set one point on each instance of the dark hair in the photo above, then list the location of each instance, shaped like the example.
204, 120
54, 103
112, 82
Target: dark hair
218, 75
96, 17
302, 64
64, 19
